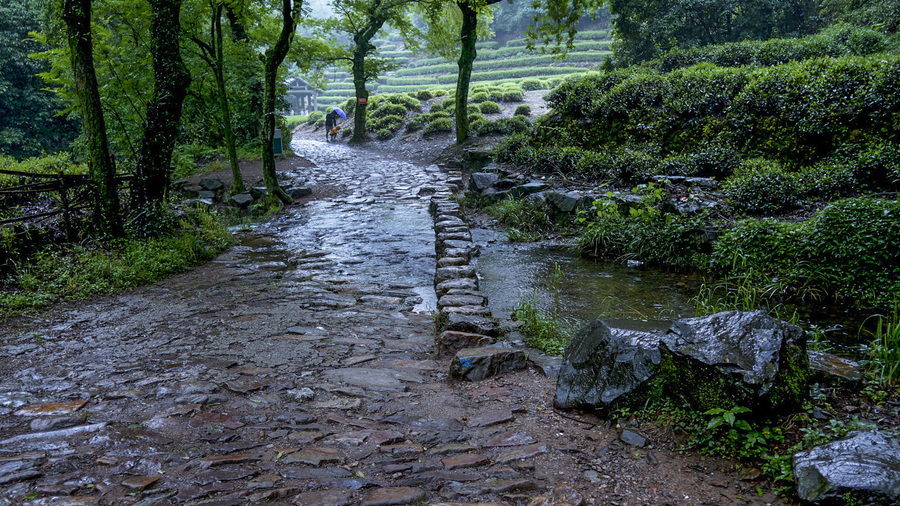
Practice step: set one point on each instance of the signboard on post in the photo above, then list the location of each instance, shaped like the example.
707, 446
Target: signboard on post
276, 143
361, 100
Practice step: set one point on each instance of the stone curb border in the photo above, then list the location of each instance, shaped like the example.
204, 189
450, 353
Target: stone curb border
469, 328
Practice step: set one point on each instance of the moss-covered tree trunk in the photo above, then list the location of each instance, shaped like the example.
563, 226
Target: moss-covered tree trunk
224, 107
467, 56
362, 46
273, 58
164, 110
362, 94
76, 14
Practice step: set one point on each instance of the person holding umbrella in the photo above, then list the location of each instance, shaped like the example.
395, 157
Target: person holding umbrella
330, 122
334, 131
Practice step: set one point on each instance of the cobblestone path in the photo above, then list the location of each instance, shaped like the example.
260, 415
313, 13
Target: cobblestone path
299, 368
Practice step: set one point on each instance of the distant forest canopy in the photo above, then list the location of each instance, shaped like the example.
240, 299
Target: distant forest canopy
32, 121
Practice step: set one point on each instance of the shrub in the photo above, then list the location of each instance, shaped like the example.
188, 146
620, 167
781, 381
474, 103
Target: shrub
479, 125
436, 108
448, 103
424, 95
384, 134
489, 107
854, 243
391, 123
717, 162
440, 93
410, 103
387, 109
532, 84
479, 97
472, 109
439, 125
513, 96
495, 95
508, 150
827, 181
314, 117
766, 245
762, 187
523, 110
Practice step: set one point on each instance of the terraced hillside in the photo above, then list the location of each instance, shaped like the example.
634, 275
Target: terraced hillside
497, 64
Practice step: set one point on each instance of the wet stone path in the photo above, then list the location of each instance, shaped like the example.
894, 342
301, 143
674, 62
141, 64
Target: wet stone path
299, 368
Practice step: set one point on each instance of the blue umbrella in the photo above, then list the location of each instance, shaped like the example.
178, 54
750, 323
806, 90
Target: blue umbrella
341, 113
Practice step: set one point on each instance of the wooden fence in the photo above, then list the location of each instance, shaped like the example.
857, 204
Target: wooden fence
63, 185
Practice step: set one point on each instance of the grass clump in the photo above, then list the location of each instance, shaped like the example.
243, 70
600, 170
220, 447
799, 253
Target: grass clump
525, 220
544, 331
79, 272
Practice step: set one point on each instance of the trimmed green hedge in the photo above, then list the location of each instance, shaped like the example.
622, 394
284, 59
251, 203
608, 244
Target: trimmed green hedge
798, 113
841, 40
516, 73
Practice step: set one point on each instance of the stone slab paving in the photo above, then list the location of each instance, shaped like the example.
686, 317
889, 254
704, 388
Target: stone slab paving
300, 367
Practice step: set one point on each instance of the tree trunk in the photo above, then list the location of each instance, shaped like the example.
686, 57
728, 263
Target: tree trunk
77, 17
362, 94
466, 60
273, 58
224, 108
164, 110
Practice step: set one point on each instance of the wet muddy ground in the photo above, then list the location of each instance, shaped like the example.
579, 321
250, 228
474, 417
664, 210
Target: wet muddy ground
299, 368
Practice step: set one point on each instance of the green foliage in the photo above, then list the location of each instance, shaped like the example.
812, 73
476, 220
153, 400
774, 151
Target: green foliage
513, 95
646, 28
56, 275
314, 117
615, 226
438, 125
533, 84
845, 251
763, 187
835, 41
523, 110
728, 436
884, 349
29, 124
479, 97
424, 95
489, 107
544, 331
525, 220
59, 163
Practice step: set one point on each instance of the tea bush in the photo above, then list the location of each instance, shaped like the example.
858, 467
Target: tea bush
836, 41
523, 110
438, 125
512, 96
479, 97
489, 107
763, 187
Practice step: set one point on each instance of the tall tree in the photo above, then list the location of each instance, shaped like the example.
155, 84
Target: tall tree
76, 14
273, 58
213, 54
554, 23
164, 110
362, 20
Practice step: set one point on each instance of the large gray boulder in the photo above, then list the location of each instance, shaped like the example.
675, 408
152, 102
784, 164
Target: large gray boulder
480, 181
718, 361
736, 358
865, 466
602, 364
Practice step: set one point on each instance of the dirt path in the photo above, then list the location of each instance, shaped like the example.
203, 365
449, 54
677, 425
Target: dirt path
300, 368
